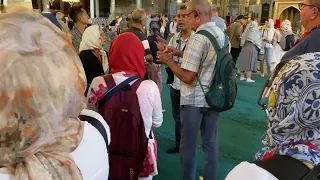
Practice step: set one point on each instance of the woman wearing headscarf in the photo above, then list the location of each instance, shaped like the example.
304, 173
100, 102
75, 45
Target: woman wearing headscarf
123, 65
293, 123
42, 86
251, 46
92, 54
268, 35
287, 38
154, 69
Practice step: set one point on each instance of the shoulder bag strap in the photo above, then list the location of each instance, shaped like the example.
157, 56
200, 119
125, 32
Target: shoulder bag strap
98, 125
116, 89
215, 45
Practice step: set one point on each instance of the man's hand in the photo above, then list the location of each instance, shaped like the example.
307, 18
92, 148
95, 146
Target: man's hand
163, 57
174, 51
161, 44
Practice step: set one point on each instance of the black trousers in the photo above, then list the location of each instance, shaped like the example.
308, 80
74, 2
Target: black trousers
175, 102
235, 54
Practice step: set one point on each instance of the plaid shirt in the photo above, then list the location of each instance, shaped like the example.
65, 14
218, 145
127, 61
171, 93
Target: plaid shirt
76, 38
200, 57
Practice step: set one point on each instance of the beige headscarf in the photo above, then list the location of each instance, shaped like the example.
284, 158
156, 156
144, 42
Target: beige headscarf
287, 30
42, 86
91, 40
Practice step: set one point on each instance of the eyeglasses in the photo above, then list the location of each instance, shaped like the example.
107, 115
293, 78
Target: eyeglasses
268, 87
302, 5
183, 16
188, 14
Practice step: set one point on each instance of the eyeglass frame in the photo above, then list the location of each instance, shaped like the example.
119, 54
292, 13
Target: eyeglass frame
188, 14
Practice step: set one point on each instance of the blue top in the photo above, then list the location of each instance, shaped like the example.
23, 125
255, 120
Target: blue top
219, 22
52, 18
308, 44
148, 24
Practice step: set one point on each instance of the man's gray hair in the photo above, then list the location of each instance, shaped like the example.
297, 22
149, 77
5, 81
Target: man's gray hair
214, 8
315, 3
138, 15
202, 6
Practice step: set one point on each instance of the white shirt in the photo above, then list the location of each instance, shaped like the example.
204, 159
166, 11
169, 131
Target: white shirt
90, 156
249, 171
173, 27
181, 46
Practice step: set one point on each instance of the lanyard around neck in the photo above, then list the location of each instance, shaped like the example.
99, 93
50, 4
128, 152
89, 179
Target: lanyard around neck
308, 32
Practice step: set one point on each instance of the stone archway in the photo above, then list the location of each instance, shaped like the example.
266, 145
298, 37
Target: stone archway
293, 15
281, 5
282, 9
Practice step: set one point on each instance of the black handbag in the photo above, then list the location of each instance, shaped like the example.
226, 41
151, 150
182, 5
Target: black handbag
170, 76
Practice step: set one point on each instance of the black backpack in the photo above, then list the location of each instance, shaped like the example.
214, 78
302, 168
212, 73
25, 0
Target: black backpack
289, 42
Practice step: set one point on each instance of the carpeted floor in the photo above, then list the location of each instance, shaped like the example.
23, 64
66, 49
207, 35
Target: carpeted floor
240, 130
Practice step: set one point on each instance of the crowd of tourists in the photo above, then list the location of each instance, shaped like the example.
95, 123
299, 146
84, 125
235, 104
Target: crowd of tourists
73, 108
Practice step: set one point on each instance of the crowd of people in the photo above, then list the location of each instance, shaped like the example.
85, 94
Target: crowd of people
73, 109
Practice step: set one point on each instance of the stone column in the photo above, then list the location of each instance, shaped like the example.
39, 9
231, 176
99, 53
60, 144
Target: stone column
97, 8
62, 6
139, 3
113, 8
271, 13
91, 8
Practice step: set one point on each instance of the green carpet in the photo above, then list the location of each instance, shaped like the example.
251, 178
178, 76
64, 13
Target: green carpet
240, 131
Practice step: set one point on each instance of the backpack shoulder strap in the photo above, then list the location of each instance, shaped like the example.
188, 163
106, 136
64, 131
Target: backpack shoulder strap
98, 125
212, 39
115, 89
136, 84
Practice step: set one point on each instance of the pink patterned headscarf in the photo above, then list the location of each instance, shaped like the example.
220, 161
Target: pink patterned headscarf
42, 86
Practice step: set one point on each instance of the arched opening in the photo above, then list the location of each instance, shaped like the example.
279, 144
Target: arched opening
293, 15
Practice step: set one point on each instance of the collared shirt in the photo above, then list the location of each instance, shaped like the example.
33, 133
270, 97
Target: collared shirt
177, 42
219, 22
200, 57
76, 38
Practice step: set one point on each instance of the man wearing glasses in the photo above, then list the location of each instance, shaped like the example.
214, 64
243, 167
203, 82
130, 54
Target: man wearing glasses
199, 61
178, 42
310, 20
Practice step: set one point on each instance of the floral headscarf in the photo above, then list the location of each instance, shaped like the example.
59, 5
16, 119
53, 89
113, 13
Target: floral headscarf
294, 111
42, 86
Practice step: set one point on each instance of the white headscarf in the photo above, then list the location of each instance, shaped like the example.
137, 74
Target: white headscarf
91, 40
287, 30
269, 33
286, 26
